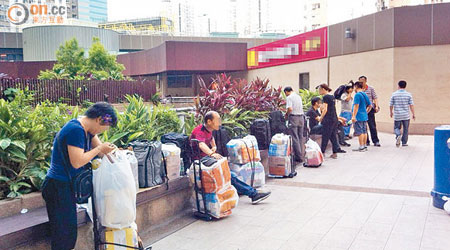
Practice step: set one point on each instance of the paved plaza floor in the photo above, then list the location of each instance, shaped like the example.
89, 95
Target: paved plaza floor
363, 200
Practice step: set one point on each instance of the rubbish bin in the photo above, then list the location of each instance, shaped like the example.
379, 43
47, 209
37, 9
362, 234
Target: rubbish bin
441, 165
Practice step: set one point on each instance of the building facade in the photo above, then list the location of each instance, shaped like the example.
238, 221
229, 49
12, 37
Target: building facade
4, 5
147, 26
92, 10
395, 44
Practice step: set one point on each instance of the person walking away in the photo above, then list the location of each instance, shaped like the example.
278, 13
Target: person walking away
346, 108
80, 144
361, 106
400, 104
370, 92
329, 121
296, 122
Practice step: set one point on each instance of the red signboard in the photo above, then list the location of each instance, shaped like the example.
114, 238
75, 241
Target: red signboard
304, 47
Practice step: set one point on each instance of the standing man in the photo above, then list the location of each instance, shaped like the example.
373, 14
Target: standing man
401, 102
370, 92
359, 117
296, 122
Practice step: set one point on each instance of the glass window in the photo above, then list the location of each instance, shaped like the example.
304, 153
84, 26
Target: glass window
179, 81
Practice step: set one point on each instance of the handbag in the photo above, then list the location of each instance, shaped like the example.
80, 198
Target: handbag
82, 183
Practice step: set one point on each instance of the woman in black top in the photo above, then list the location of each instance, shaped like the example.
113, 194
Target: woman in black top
329, 120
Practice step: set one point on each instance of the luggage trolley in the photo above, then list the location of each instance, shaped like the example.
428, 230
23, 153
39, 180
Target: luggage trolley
97, 239
293, 172
203, 215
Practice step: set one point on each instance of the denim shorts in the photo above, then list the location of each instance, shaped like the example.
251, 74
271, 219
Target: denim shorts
360, 127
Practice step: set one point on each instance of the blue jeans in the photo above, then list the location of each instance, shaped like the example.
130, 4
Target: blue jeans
242, 187
398, 127
347, 115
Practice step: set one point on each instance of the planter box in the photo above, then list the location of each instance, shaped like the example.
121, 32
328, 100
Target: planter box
10, 207
155, 206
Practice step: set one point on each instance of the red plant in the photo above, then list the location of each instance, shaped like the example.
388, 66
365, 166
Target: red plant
225, 94
218, 99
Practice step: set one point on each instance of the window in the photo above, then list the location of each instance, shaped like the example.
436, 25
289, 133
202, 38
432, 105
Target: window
179, 81
304, 81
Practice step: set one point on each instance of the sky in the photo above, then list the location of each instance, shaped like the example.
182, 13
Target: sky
284, 14
121, 10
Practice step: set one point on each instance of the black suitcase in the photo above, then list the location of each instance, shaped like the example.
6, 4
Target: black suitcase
181, 141
277, 123
260, 128
221, 137
151, 168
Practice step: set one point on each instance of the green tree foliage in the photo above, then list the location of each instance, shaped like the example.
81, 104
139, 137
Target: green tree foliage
72, 63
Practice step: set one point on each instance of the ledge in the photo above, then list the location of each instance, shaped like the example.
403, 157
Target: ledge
19, 229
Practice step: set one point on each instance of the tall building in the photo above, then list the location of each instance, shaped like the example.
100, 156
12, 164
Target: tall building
399, 3
316, 15
4, 5
321, 13
92, 10
72, 9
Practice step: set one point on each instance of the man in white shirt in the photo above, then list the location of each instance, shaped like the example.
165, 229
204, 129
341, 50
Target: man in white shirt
296, 122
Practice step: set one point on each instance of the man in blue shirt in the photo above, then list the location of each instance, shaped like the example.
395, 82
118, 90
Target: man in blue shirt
361, 107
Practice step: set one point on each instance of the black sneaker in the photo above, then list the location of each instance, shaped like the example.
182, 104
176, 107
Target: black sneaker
368, 144
341, 151
405, 145
377, 144
260, 196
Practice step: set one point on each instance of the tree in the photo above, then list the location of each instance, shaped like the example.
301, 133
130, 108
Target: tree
72, 64
101, 64
70, 57
70, 61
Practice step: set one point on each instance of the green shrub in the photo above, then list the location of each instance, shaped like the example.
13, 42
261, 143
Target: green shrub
307, 95
26, 138
140, 121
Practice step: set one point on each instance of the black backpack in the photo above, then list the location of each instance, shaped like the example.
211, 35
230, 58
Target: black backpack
151, 168
260, 128
181, 141
277, 123
221, 137
339, 91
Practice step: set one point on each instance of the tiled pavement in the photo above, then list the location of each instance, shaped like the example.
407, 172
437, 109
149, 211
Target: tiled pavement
373, 200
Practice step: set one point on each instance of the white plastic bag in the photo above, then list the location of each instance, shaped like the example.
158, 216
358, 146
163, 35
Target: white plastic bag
244, 173
242, 151
115, 191
134, 166
313, 153
172, 159
280, 145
